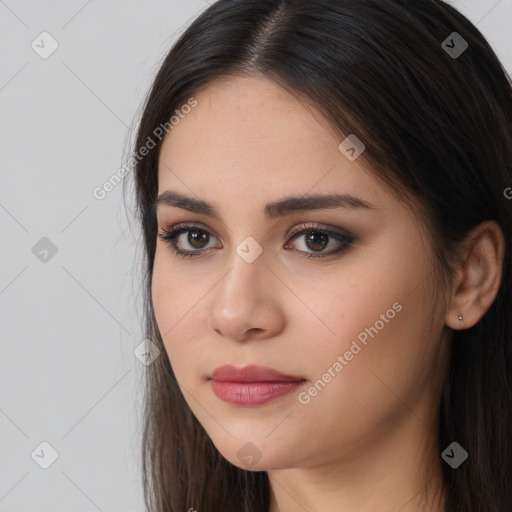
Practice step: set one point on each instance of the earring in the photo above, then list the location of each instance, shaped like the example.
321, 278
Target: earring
461, 318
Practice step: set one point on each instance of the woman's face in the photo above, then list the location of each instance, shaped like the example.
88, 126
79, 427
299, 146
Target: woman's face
350, 316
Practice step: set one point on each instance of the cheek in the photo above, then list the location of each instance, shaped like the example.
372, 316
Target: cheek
177, 308
378, 321
169, 293
161, 295
362, 327
165, 294
364, 391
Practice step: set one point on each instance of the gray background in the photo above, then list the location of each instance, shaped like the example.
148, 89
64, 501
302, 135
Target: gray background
70, 323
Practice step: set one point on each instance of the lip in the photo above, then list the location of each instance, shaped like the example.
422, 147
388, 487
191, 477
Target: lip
252, 385
251, 373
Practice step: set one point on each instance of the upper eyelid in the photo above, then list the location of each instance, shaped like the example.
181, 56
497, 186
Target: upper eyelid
343, 238
339, 234
297, 229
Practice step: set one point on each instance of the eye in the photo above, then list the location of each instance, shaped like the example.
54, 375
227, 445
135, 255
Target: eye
315, 239
196, 239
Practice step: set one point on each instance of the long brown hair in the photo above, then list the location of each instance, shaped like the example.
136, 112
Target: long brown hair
437, 127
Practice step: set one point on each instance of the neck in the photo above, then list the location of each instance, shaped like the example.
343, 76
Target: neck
399, 470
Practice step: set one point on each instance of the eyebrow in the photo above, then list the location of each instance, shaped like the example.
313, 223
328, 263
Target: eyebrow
271, 210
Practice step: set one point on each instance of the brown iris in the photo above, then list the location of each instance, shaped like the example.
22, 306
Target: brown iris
316, 238
197, 236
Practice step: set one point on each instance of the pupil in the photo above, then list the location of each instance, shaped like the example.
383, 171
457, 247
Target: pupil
313, 237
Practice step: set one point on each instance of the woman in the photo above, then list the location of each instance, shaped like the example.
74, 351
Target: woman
327, 233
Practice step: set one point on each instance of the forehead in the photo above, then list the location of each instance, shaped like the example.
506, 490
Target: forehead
251, 137
243, 115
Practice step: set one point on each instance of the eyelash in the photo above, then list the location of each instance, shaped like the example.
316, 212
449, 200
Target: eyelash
169, 237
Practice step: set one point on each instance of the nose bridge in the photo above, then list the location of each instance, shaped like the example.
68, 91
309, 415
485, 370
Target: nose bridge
242, 301
241, 286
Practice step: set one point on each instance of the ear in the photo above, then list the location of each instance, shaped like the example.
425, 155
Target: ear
478, 279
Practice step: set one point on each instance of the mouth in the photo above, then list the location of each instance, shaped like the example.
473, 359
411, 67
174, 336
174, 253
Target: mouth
252, 385
251, 373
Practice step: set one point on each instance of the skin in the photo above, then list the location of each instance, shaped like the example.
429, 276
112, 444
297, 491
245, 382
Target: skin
367, 440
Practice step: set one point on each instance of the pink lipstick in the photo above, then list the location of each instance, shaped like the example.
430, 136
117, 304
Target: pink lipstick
252, 385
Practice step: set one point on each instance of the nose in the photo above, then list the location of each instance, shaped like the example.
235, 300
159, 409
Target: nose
247, 302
